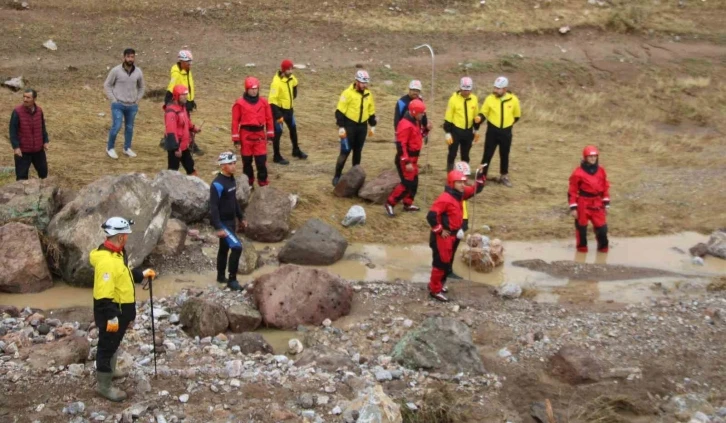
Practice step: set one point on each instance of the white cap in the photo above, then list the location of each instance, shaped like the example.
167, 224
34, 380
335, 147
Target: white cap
466, 84
501, 82
226, 158
415, 85
117, 225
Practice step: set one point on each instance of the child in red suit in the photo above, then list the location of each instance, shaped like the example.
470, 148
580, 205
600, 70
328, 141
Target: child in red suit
589, 197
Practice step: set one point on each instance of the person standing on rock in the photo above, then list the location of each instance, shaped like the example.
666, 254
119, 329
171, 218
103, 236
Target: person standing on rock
459, 122
225, 212
589, 199
409, 141
355, 116
446, 219
283, 91
114, 301
414, 92
28, 137
179, 130
501, 111
251, 129
181, 74
125, 88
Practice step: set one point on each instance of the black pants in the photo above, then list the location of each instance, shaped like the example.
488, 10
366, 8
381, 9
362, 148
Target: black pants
494, 138
356, 139
22, 165
463, 139
108, 342
289, 118
222, 254
186, 160
249, 171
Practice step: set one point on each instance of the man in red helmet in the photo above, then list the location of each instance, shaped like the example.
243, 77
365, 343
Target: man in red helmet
409, 141
251, 128
283, 91
589, 197
446, 219
179, 128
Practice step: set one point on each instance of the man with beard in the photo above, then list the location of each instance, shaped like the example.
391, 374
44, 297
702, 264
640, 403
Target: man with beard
589, 199
124, 86
28, 137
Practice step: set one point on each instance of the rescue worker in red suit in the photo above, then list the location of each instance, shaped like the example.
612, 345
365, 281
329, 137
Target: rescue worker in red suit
179, 128
409, 141
589, 199
446, 219
252, 128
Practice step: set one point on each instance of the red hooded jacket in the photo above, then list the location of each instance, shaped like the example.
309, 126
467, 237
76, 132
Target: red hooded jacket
408, 134
584, 185
251, 116
178, 126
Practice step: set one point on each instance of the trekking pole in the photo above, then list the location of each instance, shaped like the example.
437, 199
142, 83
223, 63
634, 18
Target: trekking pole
426, 146
473, 215
149, 286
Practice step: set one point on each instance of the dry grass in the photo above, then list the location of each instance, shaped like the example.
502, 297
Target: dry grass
439, 405
605, 409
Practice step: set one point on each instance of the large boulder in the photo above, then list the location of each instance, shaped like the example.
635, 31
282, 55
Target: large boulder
33, 202
250, 259
66, 351
294, 295
24, 268
76, 229
189, 195
203, 318
575, 365
243, 318
378, 190
243, 191
268, 215
373, 405
717, 244
173, 239
316, 243
351, 182
442, 344
250, 343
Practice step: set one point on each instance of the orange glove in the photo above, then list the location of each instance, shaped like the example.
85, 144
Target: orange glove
371, 131
149, 273
281, 120
112, 325
477, 119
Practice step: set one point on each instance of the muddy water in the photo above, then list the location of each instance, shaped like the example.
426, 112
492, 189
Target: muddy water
372, 262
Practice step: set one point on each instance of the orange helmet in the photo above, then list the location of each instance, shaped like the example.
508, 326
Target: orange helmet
590, 150
179, 90
455, 176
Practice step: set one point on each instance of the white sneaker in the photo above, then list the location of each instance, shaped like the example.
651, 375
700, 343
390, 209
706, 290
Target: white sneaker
112, 154
130, 153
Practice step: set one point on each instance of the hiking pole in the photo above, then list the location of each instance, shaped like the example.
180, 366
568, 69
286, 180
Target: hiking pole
473, 215
150, 287
426, 146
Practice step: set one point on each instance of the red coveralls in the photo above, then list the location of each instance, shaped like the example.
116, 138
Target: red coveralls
447, 213
178, 137
409, 140
252, 127
589, 193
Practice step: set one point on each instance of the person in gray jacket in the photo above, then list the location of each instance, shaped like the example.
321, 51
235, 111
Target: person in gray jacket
125, 88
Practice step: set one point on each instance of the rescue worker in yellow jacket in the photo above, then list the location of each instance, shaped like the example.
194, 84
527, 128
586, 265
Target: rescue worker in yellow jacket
356, 118
459, 122
283, 91
501, 111
181, 74
114, 302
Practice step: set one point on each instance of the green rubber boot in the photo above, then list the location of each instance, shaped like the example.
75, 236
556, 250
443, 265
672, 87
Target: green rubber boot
106, 389
116, 373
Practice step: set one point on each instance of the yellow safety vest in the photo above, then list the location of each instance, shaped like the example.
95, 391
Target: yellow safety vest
281, 91
181, 77
112, 277
355, 105
501, 111
461, 111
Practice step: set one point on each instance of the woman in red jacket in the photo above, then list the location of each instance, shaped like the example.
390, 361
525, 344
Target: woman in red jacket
252, 128
178, 131
589, 199
446, 218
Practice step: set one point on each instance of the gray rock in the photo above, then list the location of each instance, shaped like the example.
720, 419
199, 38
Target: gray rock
76, 408
575, 365
373, 405
356, 216
66, 351
324, 358
268, 215
717, 244
173, 238
510, 291
306, 400
383, 375
243, 191
351, 182
189, 195
250, 259
250, 343
308, 414
17, 83
378, 189
316, 243
184, 398
699, 250
243, 318
24, 268
33, 202
203, 318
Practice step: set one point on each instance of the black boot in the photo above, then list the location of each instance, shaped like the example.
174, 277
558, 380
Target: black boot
196, 150
235, 286
221, 278
453, 276
296, 152
280, 160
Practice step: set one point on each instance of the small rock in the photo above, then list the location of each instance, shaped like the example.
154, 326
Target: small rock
306, 400
76, 408
407, 323
330, 389
383, 375
504, 353
235, 383
510, 291
698, 261
337, 411
250, 65
564, 29
323, 400
50, 45
700, 417
327, 323
299, 66
183, 398
411, 406
308, 414
76, 369
295, 346
174, 318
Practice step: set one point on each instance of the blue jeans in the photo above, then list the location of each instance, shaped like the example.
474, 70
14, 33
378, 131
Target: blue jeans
127, 112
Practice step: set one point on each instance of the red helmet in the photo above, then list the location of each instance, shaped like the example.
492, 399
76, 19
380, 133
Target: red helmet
590, 150
179, 90
455, 176
251, 82
416, 107
286, 65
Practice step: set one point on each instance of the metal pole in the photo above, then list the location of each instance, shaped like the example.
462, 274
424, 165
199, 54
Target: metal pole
431, 104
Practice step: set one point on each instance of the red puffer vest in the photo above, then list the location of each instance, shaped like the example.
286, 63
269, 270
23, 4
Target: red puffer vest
30, 131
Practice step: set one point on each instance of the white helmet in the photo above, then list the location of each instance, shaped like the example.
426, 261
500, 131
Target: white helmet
226, 158
466, 84
362, 76
415, 85
463, 167
117, 225
184, 56
501, 82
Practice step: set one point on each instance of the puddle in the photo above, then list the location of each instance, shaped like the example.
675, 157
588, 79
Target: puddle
278, 339
373, 262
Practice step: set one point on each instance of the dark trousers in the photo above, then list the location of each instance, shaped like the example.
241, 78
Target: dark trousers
108, 342
494, 138
39, 162
186, 160
356, 139
289, 119
249, 171
463, 139
223, 252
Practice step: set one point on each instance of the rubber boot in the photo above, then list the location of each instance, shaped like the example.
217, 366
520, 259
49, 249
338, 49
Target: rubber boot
114, 370
106, 389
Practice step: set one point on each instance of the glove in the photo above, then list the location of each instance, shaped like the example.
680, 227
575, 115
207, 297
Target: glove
371, 131
477, 119
460, 234
149, 273
280, 120
112, 325
449, 139
476, 136
341, 132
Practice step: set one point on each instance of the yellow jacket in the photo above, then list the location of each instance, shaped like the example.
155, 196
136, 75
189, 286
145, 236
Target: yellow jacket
461, 111
501, 111
112, 277
356, 106
181, 77
283, 91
